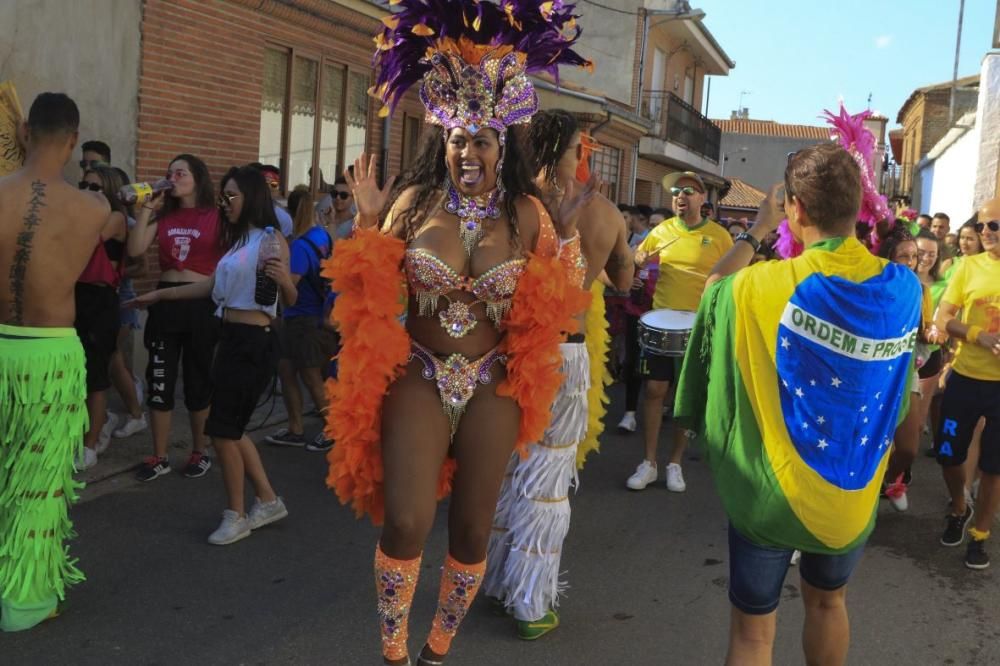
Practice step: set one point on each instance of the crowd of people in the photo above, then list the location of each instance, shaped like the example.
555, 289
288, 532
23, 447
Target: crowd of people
453, 328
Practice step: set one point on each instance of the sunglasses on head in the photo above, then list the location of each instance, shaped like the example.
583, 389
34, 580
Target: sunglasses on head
340, 194
226, 198
93, 187
992, 225
687, 189
90, 164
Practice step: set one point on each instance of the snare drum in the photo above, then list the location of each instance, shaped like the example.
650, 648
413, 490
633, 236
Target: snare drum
665, 332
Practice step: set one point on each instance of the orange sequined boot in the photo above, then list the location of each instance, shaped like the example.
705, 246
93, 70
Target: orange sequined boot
459, 585
395, 582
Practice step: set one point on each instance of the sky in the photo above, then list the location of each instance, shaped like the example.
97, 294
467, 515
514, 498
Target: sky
798, 57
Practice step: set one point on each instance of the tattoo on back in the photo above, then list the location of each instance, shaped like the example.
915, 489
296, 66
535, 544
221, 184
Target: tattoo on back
22, 251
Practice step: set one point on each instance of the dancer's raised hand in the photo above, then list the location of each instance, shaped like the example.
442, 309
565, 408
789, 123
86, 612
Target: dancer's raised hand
368, 196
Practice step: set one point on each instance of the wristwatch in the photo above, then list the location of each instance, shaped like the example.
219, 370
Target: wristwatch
745, 236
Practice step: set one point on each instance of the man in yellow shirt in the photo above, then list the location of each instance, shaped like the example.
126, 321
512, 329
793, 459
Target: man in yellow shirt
973, 389
687, 246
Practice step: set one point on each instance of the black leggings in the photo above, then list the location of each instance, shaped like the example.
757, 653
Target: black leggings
633, 382
180, 332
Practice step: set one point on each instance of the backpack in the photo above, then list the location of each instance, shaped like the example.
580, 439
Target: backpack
320, 285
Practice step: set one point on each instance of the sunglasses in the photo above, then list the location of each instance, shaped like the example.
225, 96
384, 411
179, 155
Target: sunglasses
93, 187
90, 164
340, 194
992, 225
226, 198
688, 190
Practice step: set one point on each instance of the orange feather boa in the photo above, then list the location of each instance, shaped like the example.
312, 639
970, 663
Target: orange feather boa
368, 278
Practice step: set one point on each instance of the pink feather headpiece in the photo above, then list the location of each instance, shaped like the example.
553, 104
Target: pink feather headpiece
859, 141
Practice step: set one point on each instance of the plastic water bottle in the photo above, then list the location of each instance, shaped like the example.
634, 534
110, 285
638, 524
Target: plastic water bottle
266, 289
137, 194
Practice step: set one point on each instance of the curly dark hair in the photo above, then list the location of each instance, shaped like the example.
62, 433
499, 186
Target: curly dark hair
429, 172
898, 235
548, 138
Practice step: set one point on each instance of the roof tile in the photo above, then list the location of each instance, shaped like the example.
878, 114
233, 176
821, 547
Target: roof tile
771, 128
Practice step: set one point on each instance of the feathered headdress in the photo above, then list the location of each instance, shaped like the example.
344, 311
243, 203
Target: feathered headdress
472, 58
857, 140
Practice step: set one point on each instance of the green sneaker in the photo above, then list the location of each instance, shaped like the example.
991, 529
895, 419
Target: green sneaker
530, 631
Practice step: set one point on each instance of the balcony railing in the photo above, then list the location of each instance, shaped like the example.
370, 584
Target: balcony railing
676, 121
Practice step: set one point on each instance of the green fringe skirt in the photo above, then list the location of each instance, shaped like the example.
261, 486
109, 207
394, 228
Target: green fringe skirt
43, 417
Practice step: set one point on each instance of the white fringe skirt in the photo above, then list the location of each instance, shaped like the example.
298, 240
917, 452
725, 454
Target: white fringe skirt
532, 516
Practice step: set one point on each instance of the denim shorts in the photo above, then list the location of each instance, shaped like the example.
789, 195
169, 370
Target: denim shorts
757, 573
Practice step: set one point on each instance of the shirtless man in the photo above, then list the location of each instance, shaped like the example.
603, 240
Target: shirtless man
48, 231
533, 511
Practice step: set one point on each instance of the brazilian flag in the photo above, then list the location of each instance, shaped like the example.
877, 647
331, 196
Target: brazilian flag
796, 375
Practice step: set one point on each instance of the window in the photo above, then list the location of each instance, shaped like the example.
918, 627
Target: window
412, 125
303, 128
605, 164
272, 105
313, 118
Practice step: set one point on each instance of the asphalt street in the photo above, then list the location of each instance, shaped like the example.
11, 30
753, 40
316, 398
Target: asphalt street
647, 573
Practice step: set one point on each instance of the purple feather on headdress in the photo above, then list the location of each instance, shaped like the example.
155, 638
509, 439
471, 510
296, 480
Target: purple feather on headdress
543, 32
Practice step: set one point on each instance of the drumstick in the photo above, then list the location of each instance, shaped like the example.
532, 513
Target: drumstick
663, 247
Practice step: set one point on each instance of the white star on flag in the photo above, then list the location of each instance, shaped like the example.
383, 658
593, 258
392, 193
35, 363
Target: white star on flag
799, 393
878, 395
864, 440
864, 408
865, 419
821, 420
890, 368
812, 382
784, 383
836, 382
805, 426
881, 406
785, 344
822, 444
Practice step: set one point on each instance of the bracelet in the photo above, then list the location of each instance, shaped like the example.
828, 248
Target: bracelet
745, 236
972, 334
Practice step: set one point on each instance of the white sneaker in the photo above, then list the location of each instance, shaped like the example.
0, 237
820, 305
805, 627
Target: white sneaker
675, 478
796, 556
645, 474
131, 427
627, 424
896, 493
104, 438
899, 502
233, 528
86, 460
265, 513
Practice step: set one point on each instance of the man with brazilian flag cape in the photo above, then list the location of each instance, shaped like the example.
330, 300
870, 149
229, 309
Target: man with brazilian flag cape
796, 376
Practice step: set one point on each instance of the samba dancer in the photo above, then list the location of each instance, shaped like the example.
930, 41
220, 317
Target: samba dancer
688, 245
533, 512
475, 371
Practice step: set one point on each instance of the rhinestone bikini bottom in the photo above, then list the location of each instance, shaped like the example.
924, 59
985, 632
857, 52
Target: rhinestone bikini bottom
456, 377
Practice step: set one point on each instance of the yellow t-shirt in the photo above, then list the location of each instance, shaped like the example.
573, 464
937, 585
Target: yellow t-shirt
975, 288
685, 263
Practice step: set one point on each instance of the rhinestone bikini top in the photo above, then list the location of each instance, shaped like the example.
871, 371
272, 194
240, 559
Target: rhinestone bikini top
431, 279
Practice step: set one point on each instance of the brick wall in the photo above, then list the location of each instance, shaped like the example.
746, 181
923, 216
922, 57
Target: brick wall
201, 77
935, 114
